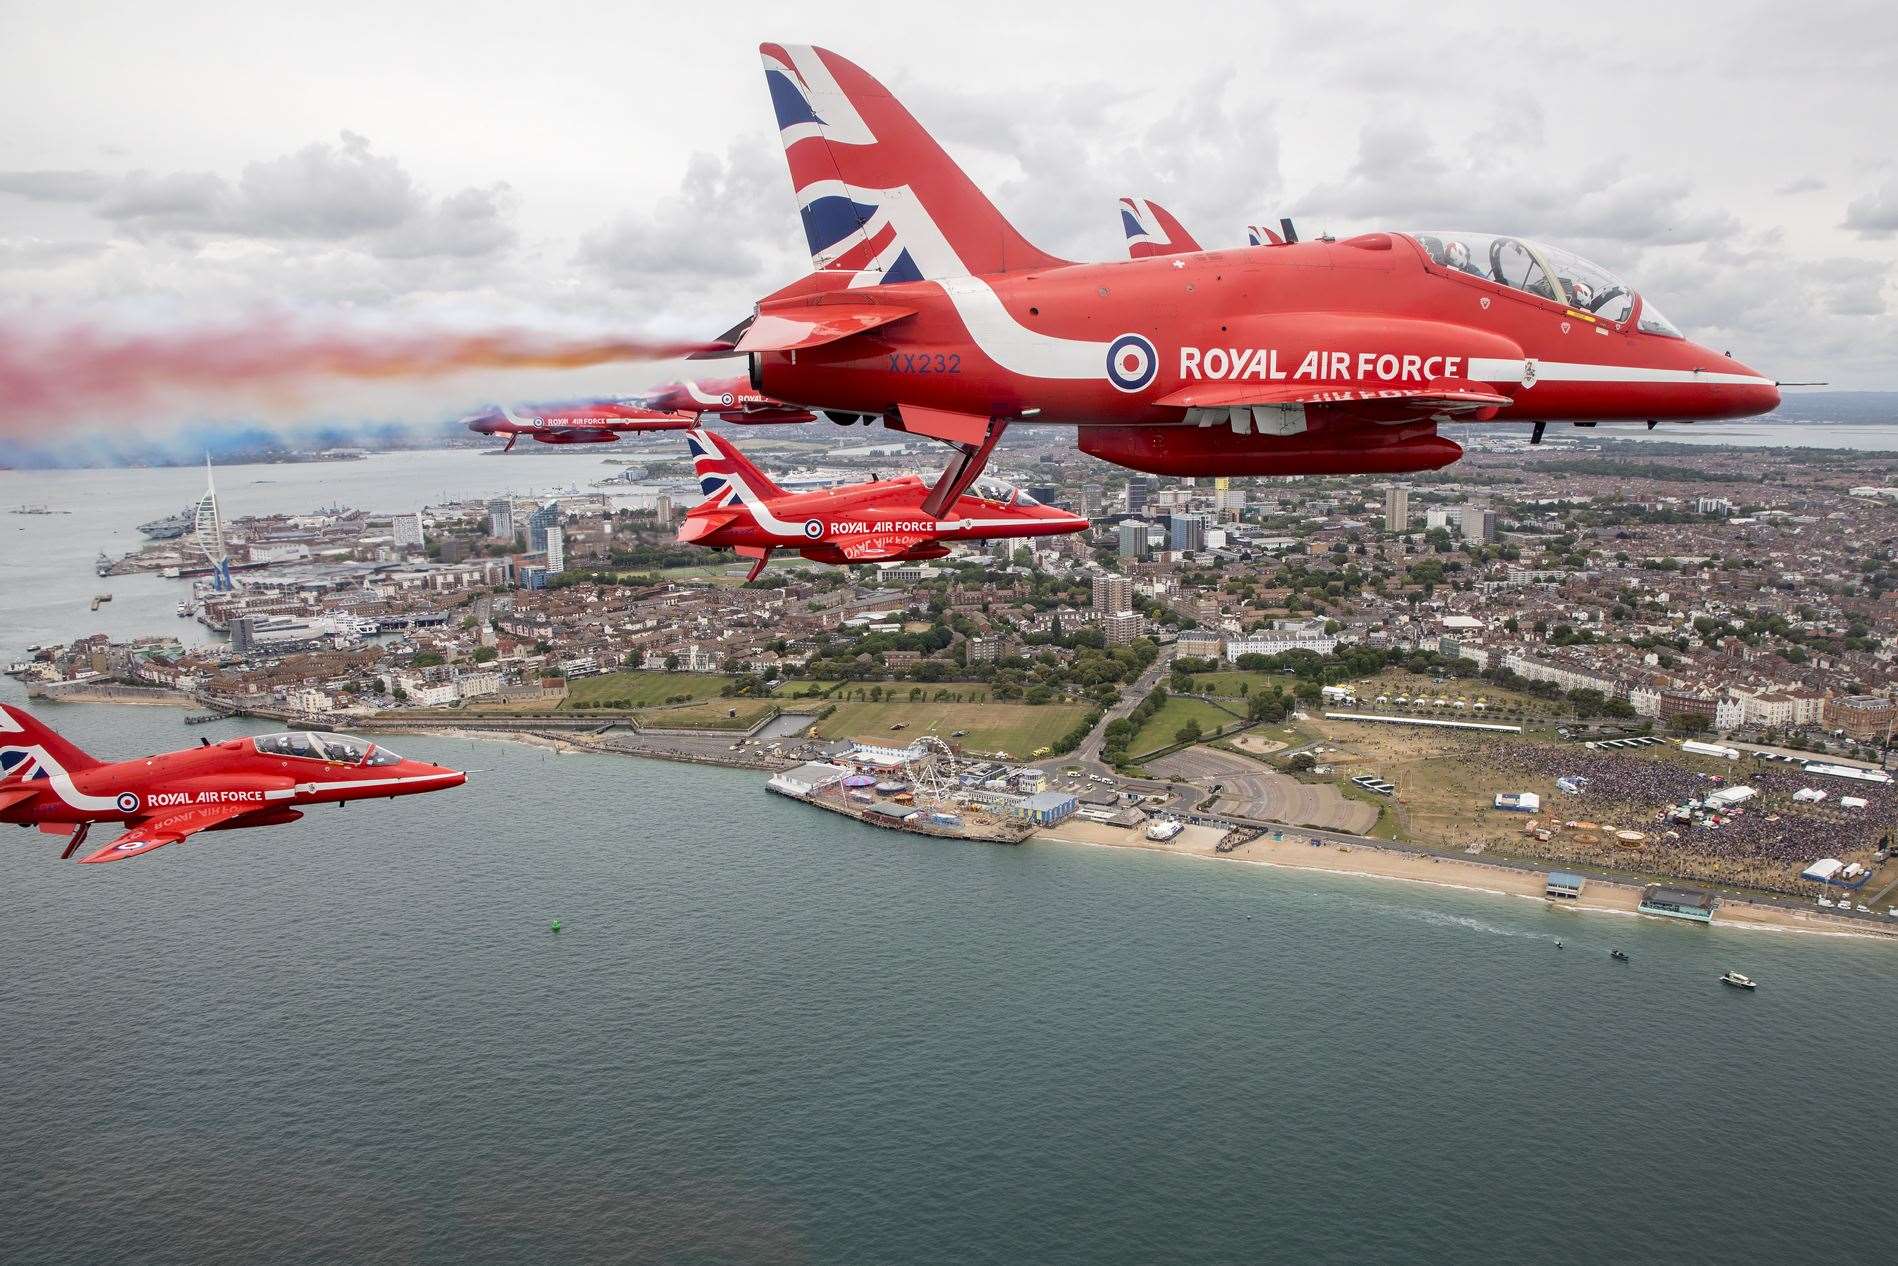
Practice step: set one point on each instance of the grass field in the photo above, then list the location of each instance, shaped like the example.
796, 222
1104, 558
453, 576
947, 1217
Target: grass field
1015, 728
1161, 727
971, 691
640, 689
800, 687
711, 714
1228, 680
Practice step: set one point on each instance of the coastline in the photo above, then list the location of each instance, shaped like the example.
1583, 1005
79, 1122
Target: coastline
1362, 859
1367, 861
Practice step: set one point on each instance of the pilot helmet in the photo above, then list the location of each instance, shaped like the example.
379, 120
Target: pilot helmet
1457, 255
1582, 293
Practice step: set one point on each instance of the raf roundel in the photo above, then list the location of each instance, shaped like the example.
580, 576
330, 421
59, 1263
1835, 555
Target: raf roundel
813, 528
1131, 362
727, 399
128, 802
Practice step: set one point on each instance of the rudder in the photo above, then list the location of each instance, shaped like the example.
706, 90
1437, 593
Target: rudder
878, 196
21, 732
720, 468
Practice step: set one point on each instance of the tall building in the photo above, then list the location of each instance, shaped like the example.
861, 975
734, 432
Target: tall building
556, 549
663, 509
1133, 538
1397, 509
1122, 627
1113, 593
1189, 533
1479, 524
1139, 489
538, 523
501, 518
407, 529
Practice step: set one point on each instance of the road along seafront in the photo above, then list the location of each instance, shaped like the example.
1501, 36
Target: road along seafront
1366, 859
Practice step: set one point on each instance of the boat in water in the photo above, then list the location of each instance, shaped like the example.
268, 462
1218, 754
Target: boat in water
1738, 981
1619, 956
169, 528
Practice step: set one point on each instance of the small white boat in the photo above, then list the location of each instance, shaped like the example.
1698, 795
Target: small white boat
1738, 981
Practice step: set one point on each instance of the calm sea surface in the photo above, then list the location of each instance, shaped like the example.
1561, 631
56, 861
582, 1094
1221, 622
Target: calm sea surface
765, 1034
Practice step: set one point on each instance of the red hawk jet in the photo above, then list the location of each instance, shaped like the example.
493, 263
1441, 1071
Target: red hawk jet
927, 309
881, 521
47, 782
673, 407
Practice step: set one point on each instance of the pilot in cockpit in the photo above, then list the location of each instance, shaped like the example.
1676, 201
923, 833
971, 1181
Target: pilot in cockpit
1457, 256
1581, 294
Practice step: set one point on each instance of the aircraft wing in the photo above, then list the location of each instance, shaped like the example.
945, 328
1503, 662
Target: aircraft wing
766, 415
1211, 403
884, 545
168, 828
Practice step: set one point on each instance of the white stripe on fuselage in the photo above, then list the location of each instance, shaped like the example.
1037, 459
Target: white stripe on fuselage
1015, 347
1504, 370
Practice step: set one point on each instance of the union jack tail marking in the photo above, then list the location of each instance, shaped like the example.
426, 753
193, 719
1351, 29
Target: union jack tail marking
878, 196
1152, 230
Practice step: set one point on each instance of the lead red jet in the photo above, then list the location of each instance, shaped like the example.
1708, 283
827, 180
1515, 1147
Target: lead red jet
927, 309
675, 406
880, 521
46, 781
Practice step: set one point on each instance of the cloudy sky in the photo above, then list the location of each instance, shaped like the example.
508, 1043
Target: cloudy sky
593, 167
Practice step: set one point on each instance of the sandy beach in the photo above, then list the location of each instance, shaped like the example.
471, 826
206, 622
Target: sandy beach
1445, 871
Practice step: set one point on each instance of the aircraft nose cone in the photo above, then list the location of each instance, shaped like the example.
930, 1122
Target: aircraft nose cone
484, 422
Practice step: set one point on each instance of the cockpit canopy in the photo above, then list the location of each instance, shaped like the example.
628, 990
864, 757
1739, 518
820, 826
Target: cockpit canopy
1001, 490
338, 749
1548, 272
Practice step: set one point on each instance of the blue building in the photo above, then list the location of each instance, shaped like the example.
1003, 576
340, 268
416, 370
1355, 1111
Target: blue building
538, 523
1045, 808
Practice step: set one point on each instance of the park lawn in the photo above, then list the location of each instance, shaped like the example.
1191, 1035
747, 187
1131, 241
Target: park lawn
1161, 727
1228, 680
1386, 828
709, 714
797, 687
971, 691
1018, 729
640, 689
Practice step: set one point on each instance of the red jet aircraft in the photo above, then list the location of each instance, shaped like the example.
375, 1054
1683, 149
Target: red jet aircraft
929, 310
676, 406
881, 521
47, 782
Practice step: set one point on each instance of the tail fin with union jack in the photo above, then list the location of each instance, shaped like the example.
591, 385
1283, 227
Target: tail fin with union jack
724, 473
878, 196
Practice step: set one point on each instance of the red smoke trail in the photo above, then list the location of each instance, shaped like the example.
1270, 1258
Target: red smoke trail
72, 373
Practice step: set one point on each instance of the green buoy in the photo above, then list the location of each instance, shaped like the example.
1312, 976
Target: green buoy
555, 926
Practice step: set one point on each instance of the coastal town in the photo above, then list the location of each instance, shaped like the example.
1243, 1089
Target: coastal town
1641, 661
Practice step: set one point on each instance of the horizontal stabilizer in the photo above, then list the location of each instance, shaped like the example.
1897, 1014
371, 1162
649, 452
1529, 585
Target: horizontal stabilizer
18, 794
790, 329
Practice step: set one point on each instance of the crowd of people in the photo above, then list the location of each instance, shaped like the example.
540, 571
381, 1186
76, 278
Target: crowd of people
1763, 843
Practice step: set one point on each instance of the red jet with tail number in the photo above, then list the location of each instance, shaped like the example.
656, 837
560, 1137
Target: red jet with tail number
880, 521
46, 781
927, 309
676, 406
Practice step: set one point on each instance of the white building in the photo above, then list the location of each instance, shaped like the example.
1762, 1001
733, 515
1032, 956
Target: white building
407, 531
556, 549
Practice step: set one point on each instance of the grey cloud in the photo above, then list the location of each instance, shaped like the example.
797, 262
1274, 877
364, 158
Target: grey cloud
55, 186
465, 225
1400, 178
1875, 214
728, 217
34, 252
342, 193
1804, 184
